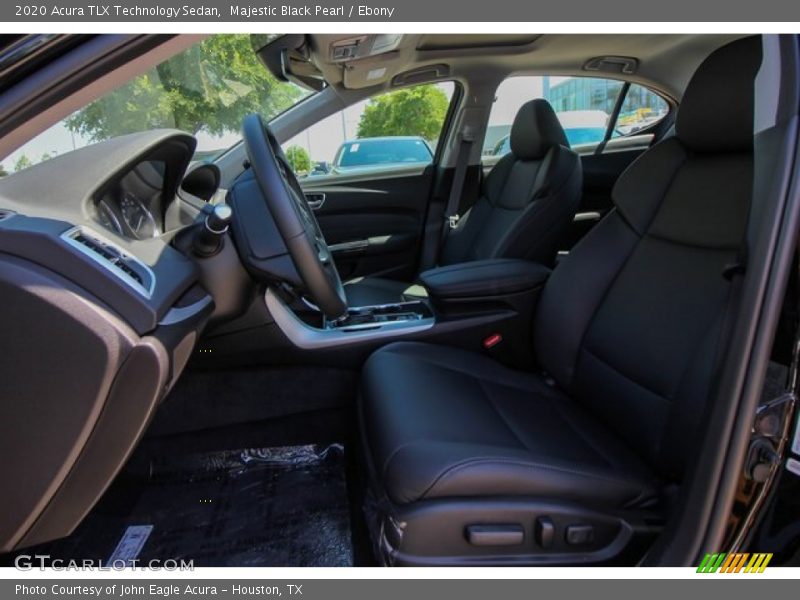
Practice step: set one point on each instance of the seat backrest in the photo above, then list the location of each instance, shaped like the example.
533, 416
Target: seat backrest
630, 322
528, 199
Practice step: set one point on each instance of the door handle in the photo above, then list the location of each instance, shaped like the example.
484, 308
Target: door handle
315, 200
587, 216
352, 246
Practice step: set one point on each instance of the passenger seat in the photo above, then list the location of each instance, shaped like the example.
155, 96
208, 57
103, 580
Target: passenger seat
474, 463
528, 200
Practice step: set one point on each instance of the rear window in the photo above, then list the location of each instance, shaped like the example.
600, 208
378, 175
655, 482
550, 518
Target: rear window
584, 135
360, 153
583, 105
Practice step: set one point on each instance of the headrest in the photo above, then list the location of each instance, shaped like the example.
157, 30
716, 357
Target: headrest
535, 130
716, 112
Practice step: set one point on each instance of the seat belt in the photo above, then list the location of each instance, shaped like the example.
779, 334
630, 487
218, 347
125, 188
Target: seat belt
451, 216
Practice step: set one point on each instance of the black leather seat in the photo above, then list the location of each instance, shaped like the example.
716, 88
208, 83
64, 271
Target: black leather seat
527, 202
628, 331
444, 422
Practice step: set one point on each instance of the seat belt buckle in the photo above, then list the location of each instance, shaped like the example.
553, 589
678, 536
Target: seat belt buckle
452, 221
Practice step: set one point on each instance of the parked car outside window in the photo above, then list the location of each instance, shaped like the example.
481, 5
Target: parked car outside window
367, 153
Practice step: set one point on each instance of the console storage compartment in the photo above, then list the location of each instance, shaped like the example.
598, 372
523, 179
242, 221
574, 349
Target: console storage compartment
491, 281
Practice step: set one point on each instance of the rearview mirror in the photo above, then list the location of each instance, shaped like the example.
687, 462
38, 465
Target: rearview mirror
202, 181
288, 59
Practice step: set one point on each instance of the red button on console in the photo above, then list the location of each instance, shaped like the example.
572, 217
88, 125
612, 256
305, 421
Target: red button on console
492, 341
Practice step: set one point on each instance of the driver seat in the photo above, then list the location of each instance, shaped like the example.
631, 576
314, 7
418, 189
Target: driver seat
471, 462
527, 203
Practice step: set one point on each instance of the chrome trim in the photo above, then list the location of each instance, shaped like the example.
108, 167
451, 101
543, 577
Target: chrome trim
216, 231
310, 304
69, 237
586, 216
176, 314
318, 200
224, 213
349, 246
311, 338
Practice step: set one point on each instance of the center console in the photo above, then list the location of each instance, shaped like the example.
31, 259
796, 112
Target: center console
361, 325
483, 305
366, 318
478, 286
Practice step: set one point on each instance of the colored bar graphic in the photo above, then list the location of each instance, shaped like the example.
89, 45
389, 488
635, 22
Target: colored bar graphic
735, 563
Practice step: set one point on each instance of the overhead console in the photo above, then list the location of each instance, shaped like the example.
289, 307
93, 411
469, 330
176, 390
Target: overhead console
363, 46
355, 60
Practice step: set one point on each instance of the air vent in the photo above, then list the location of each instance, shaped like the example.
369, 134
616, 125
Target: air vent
127, 268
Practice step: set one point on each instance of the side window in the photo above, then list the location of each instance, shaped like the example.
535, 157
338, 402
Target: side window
584, 106
641, 109
395, 131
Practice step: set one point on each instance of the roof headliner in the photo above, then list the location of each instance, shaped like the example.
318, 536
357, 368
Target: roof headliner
666, 62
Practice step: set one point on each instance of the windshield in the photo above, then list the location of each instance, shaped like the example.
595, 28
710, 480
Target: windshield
205, 90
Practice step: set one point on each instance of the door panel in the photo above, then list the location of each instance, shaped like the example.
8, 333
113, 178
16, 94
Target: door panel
374, 222
368, 170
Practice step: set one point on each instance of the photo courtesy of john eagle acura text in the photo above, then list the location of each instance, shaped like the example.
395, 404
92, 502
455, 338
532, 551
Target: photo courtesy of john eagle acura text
158, 590
342, 299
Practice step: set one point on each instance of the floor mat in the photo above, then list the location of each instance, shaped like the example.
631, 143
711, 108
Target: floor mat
265, 507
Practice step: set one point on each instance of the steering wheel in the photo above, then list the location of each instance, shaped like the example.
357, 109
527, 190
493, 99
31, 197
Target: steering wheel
294, 218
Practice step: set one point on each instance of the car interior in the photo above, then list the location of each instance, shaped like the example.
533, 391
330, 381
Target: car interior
544, 357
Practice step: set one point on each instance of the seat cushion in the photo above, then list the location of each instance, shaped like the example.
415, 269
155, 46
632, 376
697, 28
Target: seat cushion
372, 291
443, 422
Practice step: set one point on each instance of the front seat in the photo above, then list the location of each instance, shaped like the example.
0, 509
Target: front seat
474, 463
528, 200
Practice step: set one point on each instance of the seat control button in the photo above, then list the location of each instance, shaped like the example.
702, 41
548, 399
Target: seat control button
544, 532
495, 535
579, 535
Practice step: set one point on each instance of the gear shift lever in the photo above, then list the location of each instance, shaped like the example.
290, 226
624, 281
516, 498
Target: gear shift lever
208, 240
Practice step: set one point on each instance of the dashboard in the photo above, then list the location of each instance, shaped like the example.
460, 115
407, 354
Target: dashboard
103, 216
102, 312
